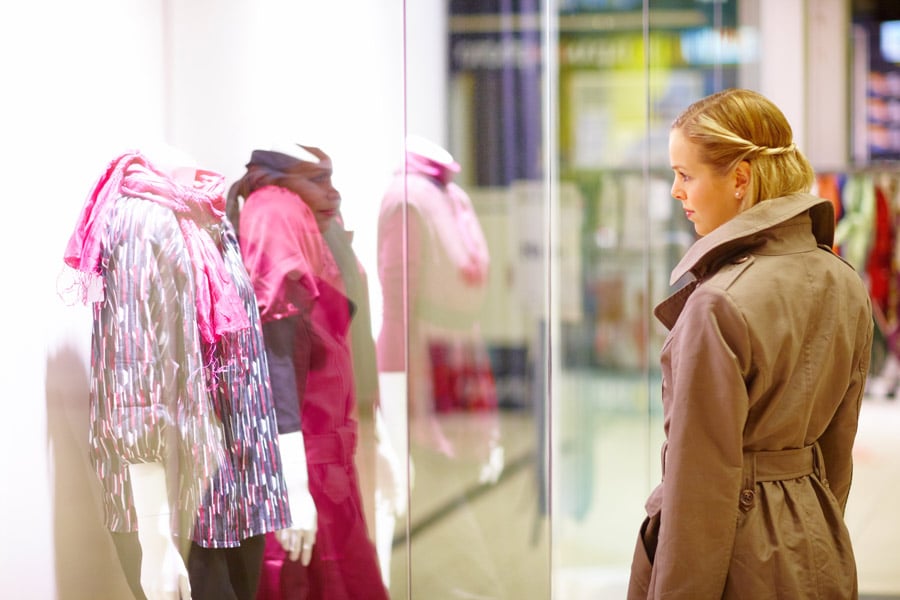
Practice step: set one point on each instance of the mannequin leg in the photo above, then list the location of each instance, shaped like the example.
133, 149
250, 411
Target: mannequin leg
244, 566
226, 573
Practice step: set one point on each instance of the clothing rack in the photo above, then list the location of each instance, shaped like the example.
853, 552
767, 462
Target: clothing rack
867, 201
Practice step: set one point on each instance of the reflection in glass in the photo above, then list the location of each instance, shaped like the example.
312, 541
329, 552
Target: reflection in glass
309, 286
477, 515
625, 69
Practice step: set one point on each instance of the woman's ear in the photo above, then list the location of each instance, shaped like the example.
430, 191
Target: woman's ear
742, 177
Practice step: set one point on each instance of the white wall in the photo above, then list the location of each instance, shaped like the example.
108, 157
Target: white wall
80, 80
828, 79
804, 70
782, 60
326, 74
83, 81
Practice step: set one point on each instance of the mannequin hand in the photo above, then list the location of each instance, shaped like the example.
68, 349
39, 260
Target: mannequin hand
493, 467
298, 543
163, 572
298, 539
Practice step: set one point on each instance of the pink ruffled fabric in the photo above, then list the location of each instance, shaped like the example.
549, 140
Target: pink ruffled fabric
196, 206
443, 172
474, 265
284, 255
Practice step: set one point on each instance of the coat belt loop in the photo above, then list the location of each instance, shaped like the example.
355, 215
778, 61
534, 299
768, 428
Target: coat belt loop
819, 464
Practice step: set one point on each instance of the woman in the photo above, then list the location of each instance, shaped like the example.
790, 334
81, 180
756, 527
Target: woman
288, 205
763, 372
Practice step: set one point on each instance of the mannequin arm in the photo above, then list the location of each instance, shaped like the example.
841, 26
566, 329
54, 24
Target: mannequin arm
163, 572
280, 343
392, 476
299, 538
287, 346
400, 261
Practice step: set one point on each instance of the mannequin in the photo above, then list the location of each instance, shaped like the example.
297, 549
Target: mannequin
313, 303
445, 262
433, 264
182, 421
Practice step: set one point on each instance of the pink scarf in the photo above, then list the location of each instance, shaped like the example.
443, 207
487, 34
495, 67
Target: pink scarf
443, 172
474, 265
201, 204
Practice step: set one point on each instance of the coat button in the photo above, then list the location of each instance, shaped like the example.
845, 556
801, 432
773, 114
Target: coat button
747, 497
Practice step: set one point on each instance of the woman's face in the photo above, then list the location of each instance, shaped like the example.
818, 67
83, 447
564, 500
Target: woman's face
708, 199
317, 191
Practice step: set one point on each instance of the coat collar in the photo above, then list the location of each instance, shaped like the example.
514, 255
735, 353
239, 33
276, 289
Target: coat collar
739, 231
739, 234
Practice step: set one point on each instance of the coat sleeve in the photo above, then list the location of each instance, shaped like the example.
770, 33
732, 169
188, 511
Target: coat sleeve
279, 338
833, 443
282, 250
706, 407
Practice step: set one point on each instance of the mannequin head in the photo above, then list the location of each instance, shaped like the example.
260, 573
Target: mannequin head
426, 157
425, 148
173, 162
304, 170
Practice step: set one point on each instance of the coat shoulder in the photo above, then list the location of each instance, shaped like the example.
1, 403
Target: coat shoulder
731, 271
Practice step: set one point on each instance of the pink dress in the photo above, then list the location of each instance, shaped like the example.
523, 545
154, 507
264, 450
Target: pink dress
295, 274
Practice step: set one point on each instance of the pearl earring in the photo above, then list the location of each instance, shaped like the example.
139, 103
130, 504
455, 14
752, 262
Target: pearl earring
737, 194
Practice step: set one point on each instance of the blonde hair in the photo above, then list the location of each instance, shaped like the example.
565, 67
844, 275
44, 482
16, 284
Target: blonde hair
737, 125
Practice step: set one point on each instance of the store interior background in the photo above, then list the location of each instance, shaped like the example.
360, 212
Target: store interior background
557, 112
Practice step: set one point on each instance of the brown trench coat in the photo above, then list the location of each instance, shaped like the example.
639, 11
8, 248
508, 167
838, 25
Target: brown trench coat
763, 375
